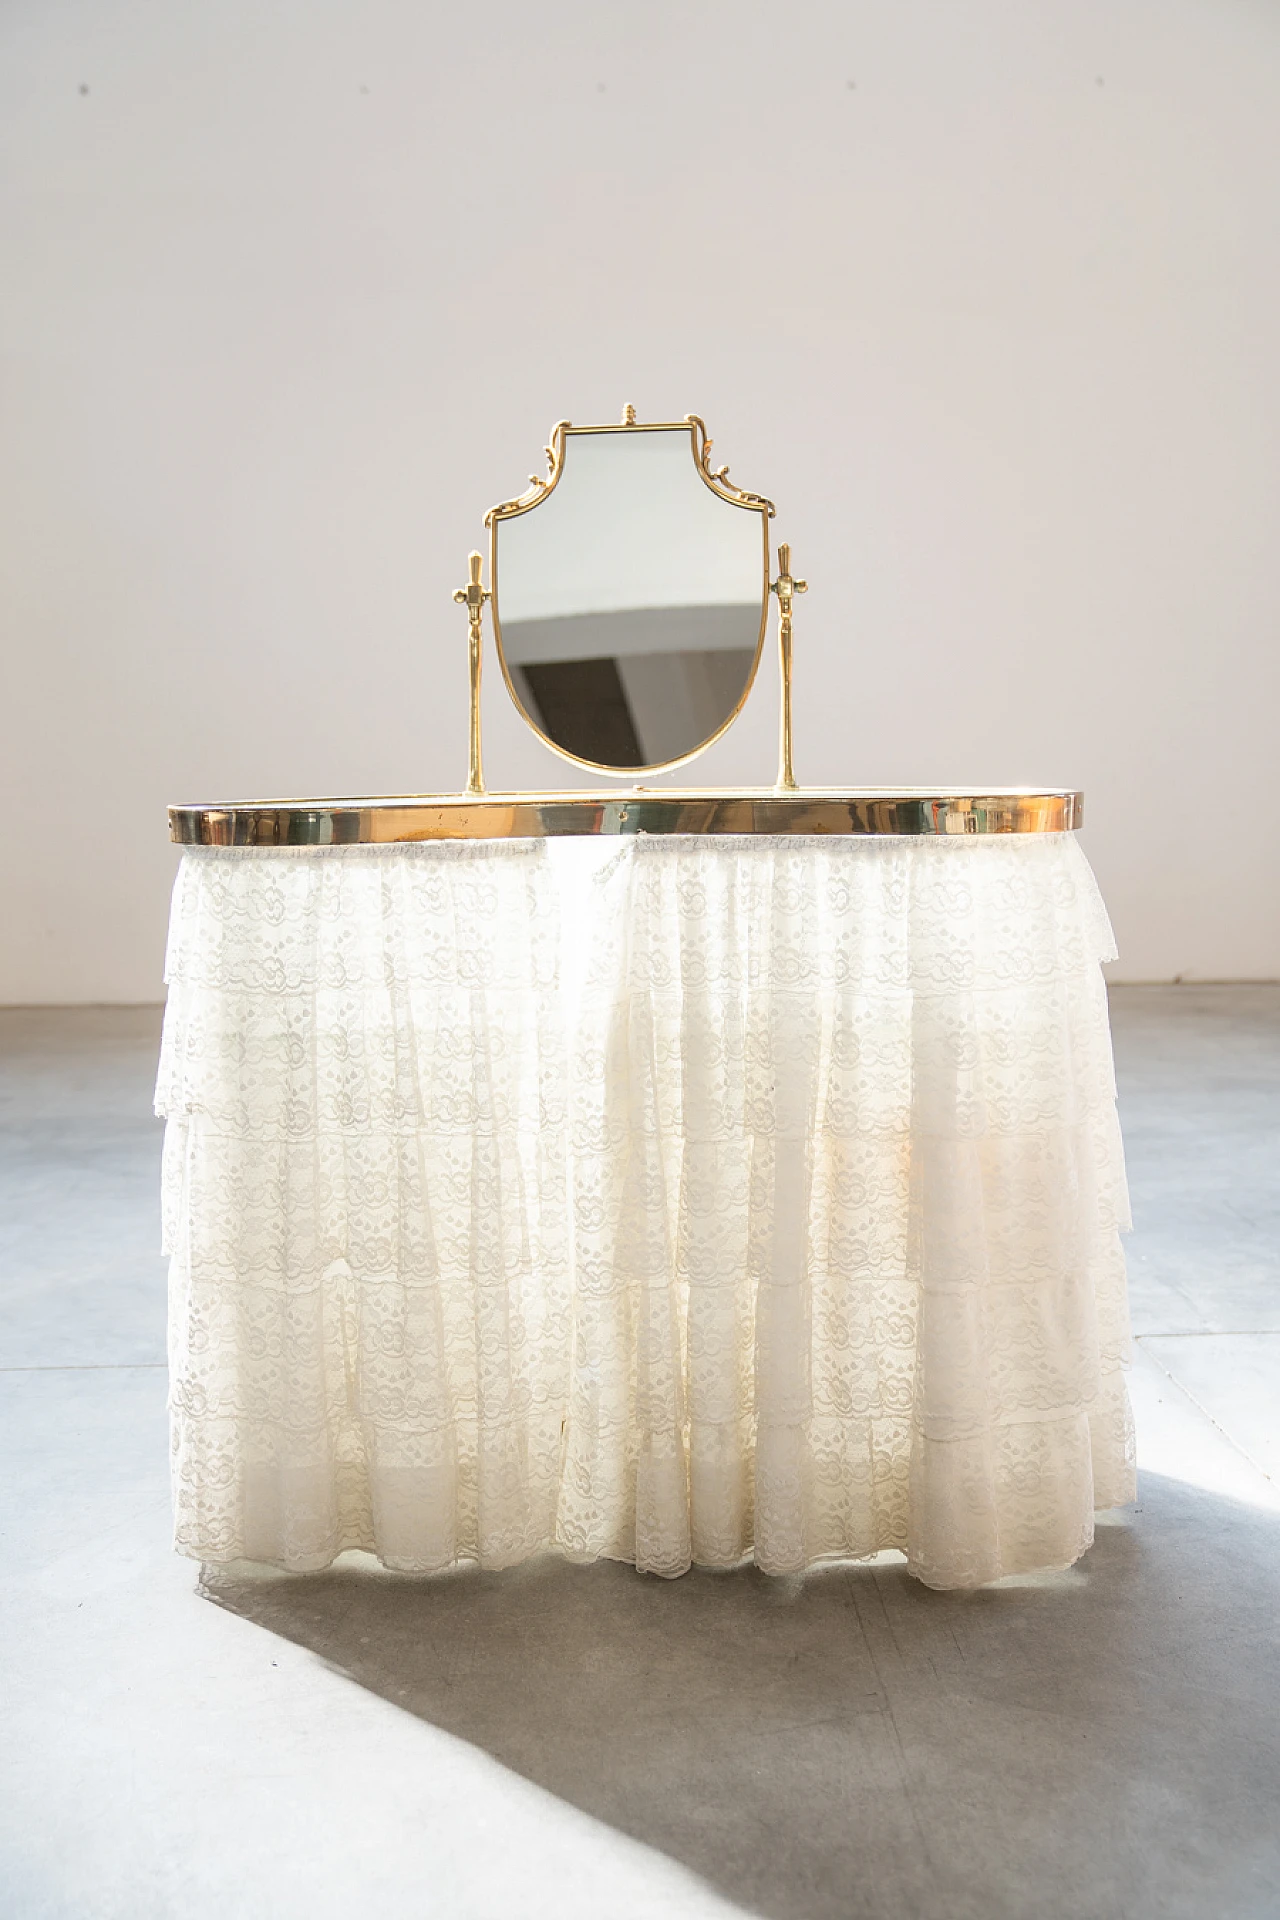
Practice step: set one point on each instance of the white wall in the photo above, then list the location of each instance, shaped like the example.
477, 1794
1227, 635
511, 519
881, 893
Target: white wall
987, 296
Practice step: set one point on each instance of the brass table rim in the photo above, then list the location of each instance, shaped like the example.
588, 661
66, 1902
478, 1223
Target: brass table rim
405, 819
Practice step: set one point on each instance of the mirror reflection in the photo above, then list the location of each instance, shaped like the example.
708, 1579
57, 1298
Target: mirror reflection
629, 603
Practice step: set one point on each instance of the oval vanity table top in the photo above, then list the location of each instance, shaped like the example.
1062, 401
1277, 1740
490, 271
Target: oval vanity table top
908, 811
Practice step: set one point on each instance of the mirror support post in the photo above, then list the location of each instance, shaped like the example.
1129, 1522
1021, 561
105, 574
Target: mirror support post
786, 587
473, 597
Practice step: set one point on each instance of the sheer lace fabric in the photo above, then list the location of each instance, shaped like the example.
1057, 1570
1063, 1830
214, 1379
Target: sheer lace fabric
364, 1075
793, 1231
848, 1194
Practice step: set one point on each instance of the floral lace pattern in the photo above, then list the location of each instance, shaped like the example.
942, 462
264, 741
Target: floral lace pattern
364, 1075
793, 1232
848, 1194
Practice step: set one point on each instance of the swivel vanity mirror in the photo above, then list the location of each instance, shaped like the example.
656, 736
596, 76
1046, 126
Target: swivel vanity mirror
629, 595
629, 592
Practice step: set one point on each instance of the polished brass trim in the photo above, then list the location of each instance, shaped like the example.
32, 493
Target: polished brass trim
786, 588
717, 478
473, 597
906, 812
539, 490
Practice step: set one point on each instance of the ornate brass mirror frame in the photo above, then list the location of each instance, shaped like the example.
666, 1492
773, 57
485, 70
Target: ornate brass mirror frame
478, 814
474, 595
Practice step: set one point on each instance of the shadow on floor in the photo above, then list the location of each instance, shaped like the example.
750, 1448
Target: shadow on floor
1097, 1743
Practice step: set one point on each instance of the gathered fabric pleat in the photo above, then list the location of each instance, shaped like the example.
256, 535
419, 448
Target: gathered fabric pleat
793, 1231
364, 1077
844, 1128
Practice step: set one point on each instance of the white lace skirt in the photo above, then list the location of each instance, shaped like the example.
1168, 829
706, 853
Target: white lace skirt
790, 1230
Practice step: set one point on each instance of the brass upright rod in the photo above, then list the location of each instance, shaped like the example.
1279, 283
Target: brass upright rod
473, 597
786, 587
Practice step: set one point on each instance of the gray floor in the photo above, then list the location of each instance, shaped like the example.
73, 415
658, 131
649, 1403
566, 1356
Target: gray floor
575, 1742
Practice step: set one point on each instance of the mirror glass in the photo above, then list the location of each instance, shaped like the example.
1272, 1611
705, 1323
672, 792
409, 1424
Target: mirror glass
629, 603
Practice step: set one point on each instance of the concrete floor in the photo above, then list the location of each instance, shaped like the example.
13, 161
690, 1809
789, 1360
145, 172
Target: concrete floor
584, 1742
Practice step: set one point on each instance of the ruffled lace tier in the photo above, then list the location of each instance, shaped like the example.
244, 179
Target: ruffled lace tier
793, 1232
365, 1076
848, 1194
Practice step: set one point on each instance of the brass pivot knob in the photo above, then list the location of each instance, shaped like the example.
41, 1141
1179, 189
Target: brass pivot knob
785, 585
473, 595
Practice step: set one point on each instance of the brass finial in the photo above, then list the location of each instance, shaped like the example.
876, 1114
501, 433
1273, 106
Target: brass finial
784, 586
628, 415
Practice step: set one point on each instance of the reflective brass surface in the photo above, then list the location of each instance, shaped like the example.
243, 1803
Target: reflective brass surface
525, 816
786, 588
473, 597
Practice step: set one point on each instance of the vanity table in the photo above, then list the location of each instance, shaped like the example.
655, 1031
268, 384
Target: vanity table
673, 1175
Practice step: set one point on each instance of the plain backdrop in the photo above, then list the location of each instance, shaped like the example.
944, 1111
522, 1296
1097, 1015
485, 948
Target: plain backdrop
986, 296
